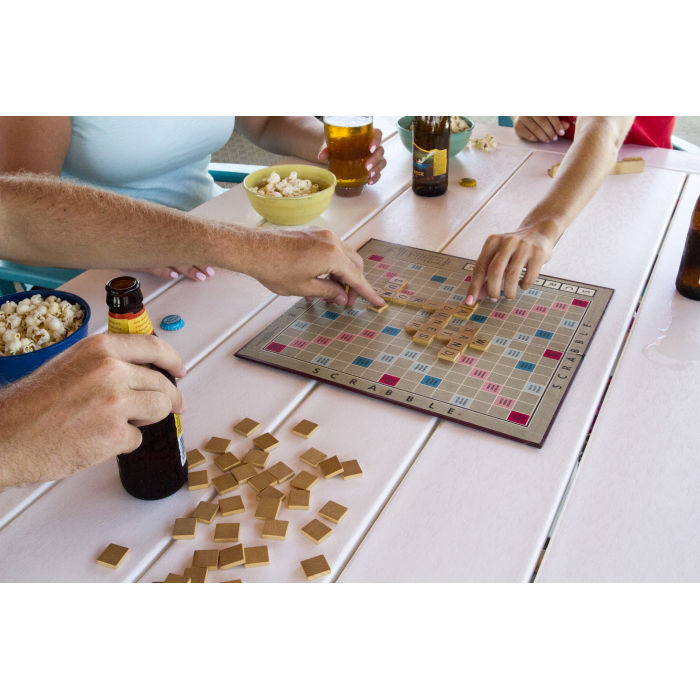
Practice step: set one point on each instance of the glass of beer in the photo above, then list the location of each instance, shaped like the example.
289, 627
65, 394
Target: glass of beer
348, 140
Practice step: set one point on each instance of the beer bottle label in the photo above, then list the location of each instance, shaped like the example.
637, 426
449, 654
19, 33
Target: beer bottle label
180, 439
130, 323
429, 164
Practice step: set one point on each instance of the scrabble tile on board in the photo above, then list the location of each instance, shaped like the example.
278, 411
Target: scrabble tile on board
378, 309
176, 578
197, 480
231, 505
333, 511
305, 428
416, 302
224, 484
316, 531
243, 472
195, 459
480, 343
208, 558
258, 458
266, 442
312, 457
205, 512
315, 567
256, 556
413, 325
330, 467
351, 469
268, 508
275, 529
231, 556
184, 528
449, 354
298, 499
281, 472
226, 461
196, 574
226, 532
303, 480
422, 338
246, 427
113, 556
218, 445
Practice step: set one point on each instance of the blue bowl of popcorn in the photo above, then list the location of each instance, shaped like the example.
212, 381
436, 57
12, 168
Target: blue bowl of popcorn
36, 326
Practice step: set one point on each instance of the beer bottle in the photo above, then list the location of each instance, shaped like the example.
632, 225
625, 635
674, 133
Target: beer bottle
431, 144
688, 279
158, 467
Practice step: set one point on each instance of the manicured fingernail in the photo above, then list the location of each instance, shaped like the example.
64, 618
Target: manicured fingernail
372, 148
555, 137
210, 271
561, 132
201, 276
174, 274
470, 300
493, 299
368, 167
341, 300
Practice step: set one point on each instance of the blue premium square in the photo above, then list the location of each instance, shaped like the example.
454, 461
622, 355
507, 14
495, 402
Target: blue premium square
390, 330
525, 366
332, 315
431, 381
438, 278
478, 318
544, 334
362, 361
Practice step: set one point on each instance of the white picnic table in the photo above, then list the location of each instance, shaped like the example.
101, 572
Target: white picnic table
437, 501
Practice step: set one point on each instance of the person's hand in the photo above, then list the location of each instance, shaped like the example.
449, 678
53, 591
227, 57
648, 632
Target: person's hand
197, 274
544, 129
83, 406
375, 163
503, 258
310, 262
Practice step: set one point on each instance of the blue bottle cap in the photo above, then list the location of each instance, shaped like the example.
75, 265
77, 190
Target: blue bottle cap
172, 322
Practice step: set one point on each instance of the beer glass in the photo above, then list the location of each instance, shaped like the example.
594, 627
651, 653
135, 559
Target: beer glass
348, 140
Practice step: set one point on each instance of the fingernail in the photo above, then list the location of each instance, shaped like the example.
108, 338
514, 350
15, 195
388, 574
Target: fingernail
341, 300
555, 137
174, 274
201, 276
493, 299
368, 167
372, 148
470, 300
561, 132
210, 271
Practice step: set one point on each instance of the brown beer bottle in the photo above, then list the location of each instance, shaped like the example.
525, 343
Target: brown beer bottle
688, 279
158, 467
431, 144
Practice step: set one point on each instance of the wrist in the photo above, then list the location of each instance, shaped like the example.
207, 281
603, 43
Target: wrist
551, 226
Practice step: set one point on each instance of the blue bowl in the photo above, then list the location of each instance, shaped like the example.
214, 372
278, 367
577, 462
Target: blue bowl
15, 367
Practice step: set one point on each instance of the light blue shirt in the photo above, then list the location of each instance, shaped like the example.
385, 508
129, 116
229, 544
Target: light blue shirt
160, 159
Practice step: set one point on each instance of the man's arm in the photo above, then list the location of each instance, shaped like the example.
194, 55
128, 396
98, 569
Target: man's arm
586, 164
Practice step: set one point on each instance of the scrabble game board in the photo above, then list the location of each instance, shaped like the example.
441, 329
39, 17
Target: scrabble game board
534, 343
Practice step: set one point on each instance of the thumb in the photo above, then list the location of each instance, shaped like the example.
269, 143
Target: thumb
323, 155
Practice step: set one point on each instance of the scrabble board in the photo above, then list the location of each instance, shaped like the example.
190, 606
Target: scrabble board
514, 388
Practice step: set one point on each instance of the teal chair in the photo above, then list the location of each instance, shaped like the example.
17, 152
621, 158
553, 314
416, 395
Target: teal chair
52, 277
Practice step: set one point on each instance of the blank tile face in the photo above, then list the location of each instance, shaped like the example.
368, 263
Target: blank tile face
113, 556
271, 492
351, 469
333, 511
275, 529
312, 457
196, 574
268, 508
256, 457
231, 506
176, 578
266, 442
226, 532
256, 556
243, 472
218, 445
281, 472
208, 558
330, 467
261, 481
303, 480
195, 459
246, 427
298, 499
305, 428
315, 567
197, 480
316, 531
231, 556
224, 483
226, 461
205, 512
184, 528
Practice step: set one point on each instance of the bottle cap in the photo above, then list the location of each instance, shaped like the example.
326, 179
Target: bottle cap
172, 322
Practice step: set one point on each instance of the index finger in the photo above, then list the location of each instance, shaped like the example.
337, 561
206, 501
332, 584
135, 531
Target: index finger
349, 274
376, 140
142, 349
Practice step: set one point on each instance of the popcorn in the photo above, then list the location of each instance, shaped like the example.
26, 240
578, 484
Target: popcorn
291, 186
458, 125
485, 143
36, 323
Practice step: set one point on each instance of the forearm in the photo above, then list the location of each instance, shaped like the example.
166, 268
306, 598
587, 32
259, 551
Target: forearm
588, 161
296, 136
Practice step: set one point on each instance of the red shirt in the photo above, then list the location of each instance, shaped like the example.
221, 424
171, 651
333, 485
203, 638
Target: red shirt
645, 131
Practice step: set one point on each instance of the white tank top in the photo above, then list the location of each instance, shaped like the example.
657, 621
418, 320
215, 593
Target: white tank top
160, 159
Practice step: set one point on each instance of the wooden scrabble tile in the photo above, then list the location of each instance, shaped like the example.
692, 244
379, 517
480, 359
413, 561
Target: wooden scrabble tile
480, 343
422, 338
465, 336
628, 165
196, 574
305, 428
378, 309
275, 529
113, 556
448, 308
312, 457
184, 528
441, 316
233, 580
243, 472
391, 287
205, 511
457, 345
430, 306
266, 442
399, 298
444, 335
226, 532
416, 302
231, 506
195, 459
258, 458
268, 508
303, 480
226, 461
218, 445
330, 467
316, 531
198, 480
281, 472
413, 325
231, 556
256, 556
271, 492
315, 567
449, 354
207, 558
246, 427
176, 578
402, 282
333, 511
225, 483
298, 499
351, 469
432, 329
261, 481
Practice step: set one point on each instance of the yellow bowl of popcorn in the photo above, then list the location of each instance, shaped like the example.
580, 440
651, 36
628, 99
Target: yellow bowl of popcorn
36, 326
290, 195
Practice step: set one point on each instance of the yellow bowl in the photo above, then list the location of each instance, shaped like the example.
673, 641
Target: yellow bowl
291, 211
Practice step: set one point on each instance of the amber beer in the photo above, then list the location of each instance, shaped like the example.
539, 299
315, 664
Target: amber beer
431, 144
348, 140
688, 279
158, 467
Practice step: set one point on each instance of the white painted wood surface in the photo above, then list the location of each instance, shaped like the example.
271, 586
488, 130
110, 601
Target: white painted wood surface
633, 513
